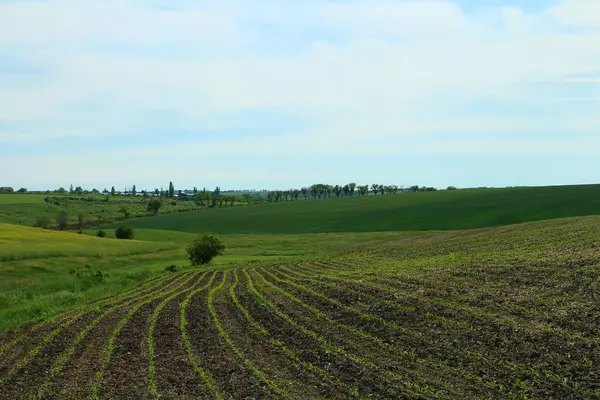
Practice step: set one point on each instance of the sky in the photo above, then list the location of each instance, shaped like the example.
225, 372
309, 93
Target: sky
277, 94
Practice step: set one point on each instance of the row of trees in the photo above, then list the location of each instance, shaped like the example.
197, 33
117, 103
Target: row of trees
10, 190
320, 190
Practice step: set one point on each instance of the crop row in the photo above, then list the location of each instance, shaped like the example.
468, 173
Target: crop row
310, 330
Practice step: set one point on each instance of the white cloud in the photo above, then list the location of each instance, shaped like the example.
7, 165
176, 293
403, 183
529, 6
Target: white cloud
362, 72
582, 13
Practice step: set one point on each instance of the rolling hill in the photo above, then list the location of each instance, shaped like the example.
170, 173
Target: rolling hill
443, 210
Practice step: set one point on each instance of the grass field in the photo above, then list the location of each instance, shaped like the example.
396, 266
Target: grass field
460, 209
507, 312
18, 198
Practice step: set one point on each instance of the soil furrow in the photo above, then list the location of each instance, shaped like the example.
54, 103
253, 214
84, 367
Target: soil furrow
349, 350
479, 339
232, 380
71, 369
328, 386
126, 372
42, 330
171, 378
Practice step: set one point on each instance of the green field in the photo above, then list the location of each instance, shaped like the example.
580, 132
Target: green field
415, 295
26, 209
460, 209
17, 198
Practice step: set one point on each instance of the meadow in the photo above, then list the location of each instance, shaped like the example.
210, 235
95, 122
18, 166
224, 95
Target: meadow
442, 210
506, 312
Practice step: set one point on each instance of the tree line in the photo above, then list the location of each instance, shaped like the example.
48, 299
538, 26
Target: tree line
321, 190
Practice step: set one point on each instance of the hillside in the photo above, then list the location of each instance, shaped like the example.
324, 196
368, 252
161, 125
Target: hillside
461, 209
507, 312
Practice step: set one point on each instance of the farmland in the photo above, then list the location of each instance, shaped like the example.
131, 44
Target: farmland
442, 210
505, 312
44, 272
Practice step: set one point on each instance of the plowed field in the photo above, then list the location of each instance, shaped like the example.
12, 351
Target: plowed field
321, 330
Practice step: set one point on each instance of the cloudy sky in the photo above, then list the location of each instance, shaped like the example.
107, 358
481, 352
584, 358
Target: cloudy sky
278, 94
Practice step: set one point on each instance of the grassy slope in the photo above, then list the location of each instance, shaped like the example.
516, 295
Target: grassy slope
35, 265
463, 209
21, 243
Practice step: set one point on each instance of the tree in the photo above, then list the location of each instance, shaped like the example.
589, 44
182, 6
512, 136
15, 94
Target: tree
113, 191
22, 190
153, 206
124, 232
363, 190
6, 190
314, 191
62, 220
71, 190
204, 249
352, 187
133, 191
215, 196
375, 188
195, 190
337, 189
304, 192
79, 190
171, 190
451, 188
126, 212
80, 220
61, 190
346, 190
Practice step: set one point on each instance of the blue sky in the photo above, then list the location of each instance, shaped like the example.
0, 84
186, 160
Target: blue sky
274, 94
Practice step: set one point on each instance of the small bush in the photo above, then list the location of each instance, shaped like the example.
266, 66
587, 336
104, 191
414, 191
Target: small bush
124, 232
171, 268
204, 249
101, 234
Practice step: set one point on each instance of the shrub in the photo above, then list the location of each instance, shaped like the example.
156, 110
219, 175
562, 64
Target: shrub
171, 268
154, 205
101, 234
204, 249
42, 222
62, 219
124, 232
